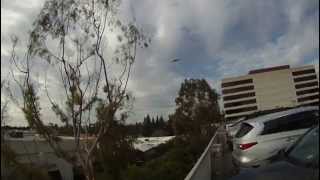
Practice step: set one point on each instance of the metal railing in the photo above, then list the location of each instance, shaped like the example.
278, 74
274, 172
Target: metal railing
202, 170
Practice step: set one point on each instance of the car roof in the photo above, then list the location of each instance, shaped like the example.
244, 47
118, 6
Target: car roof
268, 117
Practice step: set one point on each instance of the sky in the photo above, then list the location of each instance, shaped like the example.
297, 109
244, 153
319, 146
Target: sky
213, 39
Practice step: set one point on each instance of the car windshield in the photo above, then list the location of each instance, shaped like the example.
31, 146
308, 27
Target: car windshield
306, 150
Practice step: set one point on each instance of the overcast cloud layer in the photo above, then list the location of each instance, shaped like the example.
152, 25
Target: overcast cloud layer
212, 38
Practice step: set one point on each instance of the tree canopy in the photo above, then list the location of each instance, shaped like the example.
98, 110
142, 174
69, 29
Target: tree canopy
196, 107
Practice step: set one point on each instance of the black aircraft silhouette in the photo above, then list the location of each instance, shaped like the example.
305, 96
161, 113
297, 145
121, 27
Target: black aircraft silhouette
175, 60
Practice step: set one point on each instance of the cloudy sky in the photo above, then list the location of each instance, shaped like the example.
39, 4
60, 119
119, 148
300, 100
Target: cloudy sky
213, 39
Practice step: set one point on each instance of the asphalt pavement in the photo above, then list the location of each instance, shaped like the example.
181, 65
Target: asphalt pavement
222, 165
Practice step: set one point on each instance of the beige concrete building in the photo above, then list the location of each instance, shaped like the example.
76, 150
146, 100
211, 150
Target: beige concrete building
269, 88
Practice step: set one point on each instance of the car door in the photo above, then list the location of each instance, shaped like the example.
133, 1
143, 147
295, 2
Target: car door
282, 132
271, 144
297, 124
274, 137
294, 125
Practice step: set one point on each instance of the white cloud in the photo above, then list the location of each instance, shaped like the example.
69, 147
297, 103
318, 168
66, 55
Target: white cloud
232, 36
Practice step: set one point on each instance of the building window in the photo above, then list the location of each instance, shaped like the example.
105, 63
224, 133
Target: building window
308, 71
269, 69
239, 96
308, 91
309, 84
306, 78
308, 98
235, 83
312, 104
239, 110
240, 103
239, 89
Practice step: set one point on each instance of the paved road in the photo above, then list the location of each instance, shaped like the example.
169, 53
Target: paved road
223, 167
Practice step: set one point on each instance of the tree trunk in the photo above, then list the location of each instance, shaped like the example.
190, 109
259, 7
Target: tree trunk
90, 174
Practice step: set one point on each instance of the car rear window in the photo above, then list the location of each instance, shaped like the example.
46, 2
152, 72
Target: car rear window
244, 129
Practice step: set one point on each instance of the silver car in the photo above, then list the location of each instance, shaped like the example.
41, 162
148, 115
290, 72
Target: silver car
233, 127
261, 138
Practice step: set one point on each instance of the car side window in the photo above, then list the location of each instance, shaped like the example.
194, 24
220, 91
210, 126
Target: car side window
291, 122
271, 127
302, 120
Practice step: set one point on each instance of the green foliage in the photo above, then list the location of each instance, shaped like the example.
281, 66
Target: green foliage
76, 31
174, 164
197, 108
147, 126
153, 126
58, 111
31, 107
31, 110
115, 151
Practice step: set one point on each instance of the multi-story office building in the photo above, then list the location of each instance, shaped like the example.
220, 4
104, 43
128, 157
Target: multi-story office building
269, 88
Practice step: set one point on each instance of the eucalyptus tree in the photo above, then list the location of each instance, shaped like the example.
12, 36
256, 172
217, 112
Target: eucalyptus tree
93, 50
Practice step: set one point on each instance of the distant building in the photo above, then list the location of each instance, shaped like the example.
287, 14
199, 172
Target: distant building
269, 88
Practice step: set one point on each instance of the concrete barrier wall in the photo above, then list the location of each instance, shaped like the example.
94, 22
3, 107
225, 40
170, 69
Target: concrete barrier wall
39, 152
202, 169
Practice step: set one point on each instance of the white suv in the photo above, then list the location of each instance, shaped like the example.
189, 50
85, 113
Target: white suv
260, 138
